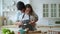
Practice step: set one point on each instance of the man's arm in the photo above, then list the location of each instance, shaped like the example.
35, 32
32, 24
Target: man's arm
18, 22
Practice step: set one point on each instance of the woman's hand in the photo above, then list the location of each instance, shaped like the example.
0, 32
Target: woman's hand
32, 23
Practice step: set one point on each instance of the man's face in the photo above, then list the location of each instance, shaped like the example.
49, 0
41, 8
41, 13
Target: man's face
23, 10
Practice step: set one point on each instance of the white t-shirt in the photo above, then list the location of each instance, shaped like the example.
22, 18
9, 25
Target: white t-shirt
20, 15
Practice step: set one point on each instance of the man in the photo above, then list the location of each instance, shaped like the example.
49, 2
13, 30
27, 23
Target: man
21, 8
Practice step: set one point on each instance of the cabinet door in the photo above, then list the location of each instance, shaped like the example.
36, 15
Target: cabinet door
50, 10
59, 10
45, 10
53, 10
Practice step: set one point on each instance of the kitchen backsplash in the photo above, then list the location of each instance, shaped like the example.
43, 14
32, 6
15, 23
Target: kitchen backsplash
48, 21
38, 9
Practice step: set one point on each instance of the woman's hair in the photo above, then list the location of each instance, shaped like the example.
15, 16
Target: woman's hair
29, 6
20, 5
32, 12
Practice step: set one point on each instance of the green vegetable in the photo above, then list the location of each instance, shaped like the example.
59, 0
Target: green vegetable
7, 31
11, 32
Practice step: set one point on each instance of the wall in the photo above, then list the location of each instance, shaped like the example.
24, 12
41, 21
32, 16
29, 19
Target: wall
8, 6
37, 6
0, 7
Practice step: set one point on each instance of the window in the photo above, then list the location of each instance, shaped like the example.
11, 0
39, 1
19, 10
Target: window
53, 10
45, 10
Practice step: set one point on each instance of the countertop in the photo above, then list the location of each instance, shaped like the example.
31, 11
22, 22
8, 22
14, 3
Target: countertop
15, 28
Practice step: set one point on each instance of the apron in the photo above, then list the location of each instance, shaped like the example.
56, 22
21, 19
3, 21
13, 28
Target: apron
25, 21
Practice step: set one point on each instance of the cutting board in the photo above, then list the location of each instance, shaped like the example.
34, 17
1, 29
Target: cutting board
34, 32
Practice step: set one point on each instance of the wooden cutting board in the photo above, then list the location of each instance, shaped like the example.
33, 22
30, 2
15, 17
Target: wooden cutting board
34, 32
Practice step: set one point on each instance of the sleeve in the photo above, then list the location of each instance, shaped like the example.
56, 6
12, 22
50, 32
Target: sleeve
35, 16
17, 17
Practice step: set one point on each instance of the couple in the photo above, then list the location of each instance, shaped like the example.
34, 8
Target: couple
26, 16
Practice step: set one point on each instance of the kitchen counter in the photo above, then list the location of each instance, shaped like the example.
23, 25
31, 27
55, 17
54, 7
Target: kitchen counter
34, 32
13, 28
10, 26
39, 28
49, 26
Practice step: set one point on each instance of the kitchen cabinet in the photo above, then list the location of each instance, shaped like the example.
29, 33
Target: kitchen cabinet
59, 10
45, 10
51, 10
40, 30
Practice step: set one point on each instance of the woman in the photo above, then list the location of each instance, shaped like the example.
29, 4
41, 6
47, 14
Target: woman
32, 17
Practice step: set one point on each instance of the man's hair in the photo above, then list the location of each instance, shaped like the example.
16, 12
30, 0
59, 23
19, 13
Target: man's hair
20, 5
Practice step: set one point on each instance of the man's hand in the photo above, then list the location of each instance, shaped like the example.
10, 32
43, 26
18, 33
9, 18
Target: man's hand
18, 23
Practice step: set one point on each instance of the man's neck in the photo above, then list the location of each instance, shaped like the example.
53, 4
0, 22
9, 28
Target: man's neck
21, 11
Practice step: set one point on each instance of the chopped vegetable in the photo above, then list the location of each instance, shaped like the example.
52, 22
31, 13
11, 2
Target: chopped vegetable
7, 31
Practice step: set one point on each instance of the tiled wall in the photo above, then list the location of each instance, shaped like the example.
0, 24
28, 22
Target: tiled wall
38, 8
0, 7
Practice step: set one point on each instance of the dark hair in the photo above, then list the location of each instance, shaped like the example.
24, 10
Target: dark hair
20, 5
29, 6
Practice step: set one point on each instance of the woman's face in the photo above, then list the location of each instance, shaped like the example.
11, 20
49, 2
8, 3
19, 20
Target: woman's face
27, 10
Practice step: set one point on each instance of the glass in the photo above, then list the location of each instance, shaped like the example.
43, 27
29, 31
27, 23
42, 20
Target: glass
59, 10
43, 14
54, 5
51, 10
44, 10
59, 14
46, 14
46, 5
51, 5
51, 14
59, 6
54, 10
43, 5
54, 14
